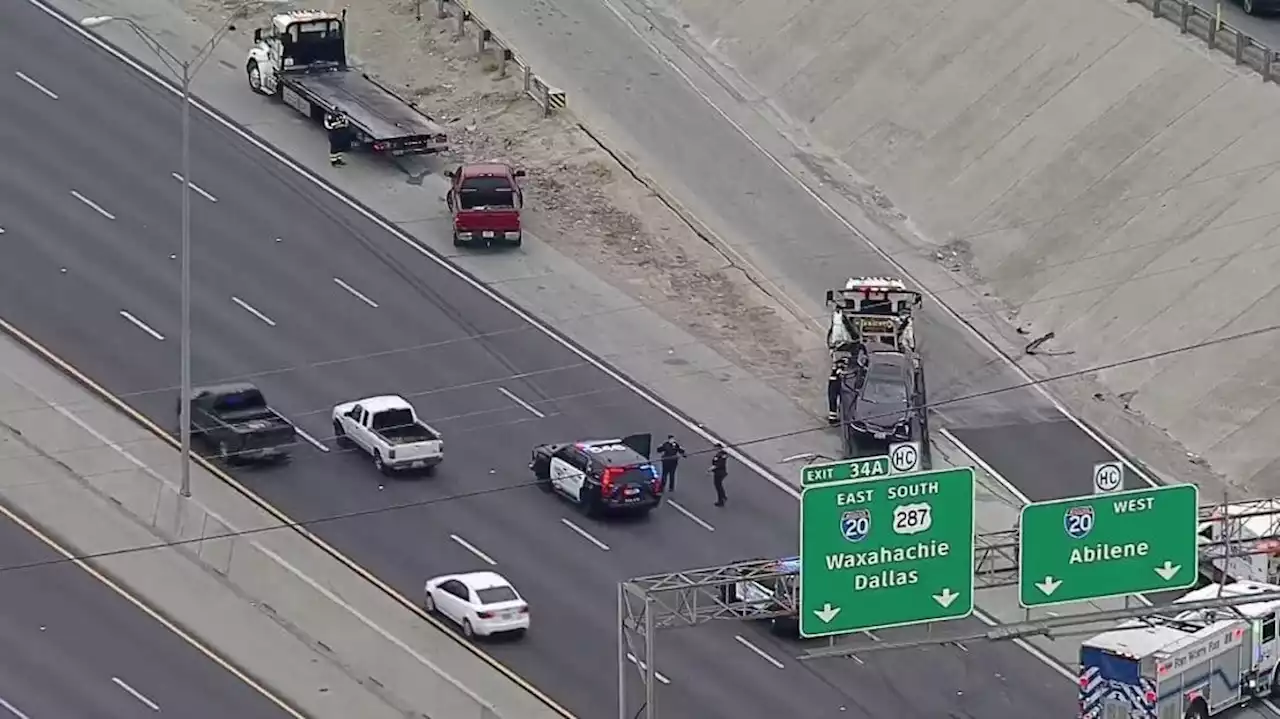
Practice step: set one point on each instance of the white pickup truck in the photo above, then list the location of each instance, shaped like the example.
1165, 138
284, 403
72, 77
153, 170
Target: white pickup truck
388, 429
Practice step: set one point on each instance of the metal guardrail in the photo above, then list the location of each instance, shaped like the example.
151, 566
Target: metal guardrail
1204, 24
547, 96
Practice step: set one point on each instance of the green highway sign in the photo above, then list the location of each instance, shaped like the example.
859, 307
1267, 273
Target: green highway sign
845, 470
886, 552
1108, 545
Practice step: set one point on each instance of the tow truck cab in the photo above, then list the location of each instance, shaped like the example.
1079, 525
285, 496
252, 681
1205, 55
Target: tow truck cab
485, 201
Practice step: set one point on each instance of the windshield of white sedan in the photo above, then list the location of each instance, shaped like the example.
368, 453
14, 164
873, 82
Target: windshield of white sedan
496, 595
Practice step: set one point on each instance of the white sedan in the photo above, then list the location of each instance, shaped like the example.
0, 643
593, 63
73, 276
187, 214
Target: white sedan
482, 603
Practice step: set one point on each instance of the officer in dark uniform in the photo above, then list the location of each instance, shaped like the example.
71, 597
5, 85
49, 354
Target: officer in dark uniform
339, 129
670, 451
834, 380
719, 470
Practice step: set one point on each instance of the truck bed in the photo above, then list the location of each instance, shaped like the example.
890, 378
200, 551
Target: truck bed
368, 105
407, 434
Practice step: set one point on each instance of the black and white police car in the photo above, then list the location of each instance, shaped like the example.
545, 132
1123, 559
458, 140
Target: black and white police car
601, 476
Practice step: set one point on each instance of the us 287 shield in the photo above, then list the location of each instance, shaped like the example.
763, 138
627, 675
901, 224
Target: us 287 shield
855, 524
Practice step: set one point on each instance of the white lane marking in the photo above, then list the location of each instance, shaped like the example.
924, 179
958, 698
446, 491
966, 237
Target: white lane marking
472, 548
36, 85
358, 294
584, 534
141, 325
512, 396
232, 528
760, 652
12, 709
196, 187
136, 694
312, 440
1004, 359
1, 230
92, 204
641, 392
644, 668
985, 466
693, 517
253, 310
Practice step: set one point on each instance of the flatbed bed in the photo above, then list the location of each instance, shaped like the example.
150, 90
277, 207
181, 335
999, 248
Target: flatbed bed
301, 59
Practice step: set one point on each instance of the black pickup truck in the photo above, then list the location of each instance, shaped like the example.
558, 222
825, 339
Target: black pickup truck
235, 420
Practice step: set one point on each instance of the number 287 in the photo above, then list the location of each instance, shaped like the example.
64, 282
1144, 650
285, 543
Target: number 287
912, 518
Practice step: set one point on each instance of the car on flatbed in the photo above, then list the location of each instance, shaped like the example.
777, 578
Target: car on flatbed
235, 420
388, 429
301, 59
484, 200
609, 476
880, 403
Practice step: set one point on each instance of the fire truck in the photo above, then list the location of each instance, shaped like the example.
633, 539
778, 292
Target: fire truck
1193, 665
876, 387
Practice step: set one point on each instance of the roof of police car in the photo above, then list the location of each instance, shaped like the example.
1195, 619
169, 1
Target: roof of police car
624, 456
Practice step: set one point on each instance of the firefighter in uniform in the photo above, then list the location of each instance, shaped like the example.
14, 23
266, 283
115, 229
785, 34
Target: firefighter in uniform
339, 129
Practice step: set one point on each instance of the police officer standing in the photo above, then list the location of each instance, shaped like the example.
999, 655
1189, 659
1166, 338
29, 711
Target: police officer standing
719, 470
838, 367
339, 129
670, 451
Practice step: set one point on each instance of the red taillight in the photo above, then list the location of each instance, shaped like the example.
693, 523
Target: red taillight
524, 610
485, 615
379, 146
1150, 697
606, 480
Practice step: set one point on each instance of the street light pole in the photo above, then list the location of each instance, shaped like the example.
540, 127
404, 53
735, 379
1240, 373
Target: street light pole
184, 413
185, 71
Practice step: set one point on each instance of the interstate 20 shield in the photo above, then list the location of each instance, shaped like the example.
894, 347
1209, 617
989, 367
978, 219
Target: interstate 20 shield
1078, 522
855, 524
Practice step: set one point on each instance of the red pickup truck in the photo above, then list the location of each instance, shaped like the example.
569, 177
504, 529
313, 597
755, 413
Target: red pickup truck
485, 203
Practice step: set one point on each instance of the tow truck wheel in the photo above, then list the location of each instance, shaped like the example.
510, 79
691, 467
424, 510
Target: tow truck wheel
379, 465
1275, 682
255, 78
1197, 710
457, 241
1248, 7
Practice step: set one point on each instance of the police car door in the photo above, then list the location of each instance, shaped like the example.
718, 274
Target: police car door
565, 476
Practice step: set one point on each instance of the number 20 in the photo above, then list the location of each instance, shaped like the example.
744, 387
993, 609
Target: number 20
1079, 524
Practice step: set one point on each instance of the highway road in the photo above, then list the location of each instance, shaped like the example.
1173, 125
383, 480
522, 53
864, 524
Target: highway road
320, 305
73, 647
685, 142
1263, 28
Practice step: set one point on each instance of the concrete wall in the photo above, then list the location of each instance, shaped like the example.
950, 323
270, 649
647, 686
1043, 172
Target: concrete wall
1114, 181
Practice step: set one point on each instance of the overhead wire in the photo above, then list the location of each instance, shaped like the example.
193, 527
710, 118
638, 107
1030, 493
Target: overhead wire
741, 444
492, 490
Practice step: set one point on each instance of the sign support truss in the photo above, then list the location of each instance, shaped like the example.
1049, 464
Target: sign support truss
699, 596
1049, 626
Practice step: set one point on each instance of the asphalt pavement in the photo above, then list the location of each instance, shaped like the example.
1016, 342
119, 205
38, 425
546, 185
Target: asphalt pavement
651, 112
319, 306
75, 648
1265, 28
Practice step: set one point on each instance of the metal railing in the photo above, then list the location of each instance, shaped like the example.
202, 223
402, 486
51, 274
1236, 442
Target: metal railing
506, 59
1196, 21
